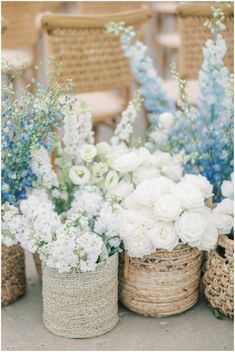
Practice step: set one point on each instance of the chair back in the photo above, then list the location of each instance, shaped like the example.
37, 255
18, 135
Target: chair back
105, 7
93, 59
193, 34
20, 17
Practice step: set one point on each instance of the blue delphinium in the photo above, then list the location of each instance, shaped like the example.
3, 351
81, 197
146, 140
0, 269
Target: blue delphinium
27, 121
156, 99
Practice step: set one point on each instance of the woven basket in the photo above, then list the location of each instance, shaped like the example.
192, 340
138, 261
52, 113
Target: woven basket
219, 277
13, 273
38, 265
161, 284
81, 305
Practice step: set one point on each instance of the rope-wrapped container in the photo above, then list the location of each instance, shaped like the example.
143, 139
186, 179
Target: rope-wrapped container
13, 273
161, 284
219, 277
81, 305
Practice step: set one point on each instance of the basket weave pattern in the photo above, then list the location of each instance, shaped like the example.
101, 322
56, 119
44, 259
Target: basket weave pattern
161, 284
13, 273
81, 305
219, 278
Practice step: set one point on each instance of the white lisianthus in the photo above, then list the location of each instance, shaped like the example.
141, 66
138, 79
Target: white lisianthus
111, 180
126, 162
226, 206
79, 175
201, 183
190, 227
129, 223
173, 171
138, 245
122, 190
163, 235
166, 120
189, 195
145, 173
88, 152
159, 137
223, 222
227, 189
167, 208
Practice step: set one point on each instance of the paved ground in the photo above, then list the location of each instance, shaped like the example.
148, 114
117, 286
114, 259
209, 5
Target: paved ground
197, 329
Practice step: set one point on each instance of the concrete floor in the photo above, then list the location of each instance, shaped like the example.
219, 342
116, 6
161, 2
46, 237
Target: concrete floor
197, 329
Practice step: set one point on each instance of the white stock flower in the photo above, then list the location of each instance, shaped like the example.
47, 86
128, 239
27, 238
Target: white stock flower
166, 120
223, 222
86, 200
126, 162
189, 195
163, 235
227, 189
201, 183
111, 180
167, 208
79, 175
88, 152
226, 206
138, 245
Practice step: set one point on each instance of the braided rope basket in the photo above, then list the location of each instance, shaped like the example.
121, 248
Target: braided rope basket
81, 305
219, 277
161, 284
13, 273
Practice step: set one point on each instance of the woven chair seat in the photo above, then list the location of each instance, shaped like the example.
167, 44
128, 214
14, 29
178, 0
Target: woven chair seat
104, 105
192, 88
164, 8
15, 59
168, 40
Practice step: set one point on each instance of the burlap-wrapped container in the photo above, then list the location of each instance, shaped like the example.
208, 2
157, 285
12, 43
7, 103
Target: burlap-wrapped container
13, 273
161, 284
81, 305
219, 276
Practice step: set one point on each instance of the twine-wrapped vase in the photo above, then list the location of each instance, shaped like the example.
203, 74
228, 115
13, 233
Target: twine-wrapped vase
81, 305
13, 273
219, 276
161, 284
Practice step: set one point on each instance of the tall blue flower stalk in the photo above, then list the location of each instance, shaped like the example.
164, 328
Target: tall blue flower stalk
27, 121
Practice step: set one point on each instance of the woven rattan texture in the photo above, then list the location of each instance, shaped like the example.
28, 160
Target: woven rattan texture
93, 59
193, 35
13, 273
219, 278
96, 7
163, 283
81, 305
21, 28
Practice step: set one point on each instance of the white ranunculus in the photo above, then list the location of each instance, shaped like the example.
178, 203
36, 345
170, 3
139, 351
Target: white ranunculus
126, 162
122, 189
223, 222
145, 173
167, 208
159, 137
166, 120
129, 223
190, 227
138, 245
201, 183
163, 235
189, 195
227, 189
88, 152
173, 171
111, 180
226, 206
79, 175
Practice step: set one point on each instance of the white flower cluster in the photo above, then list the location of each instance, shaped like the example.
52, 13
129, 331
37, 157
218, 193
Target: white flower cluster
159, 213
224, 211
159, 135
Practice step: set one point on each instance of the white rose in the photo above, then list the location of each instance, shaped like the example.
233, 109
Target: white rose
166, 120
210, 237
163, 235
227, 189
126, 162
162, 158
201, 183
173, 171
138, 245
122, 190
129, 223
145, 173
88, 152
189, 195
167, 208
223, 222
226, 206
111, 180
190, 227
79, 175
159, 137
103, 149
144, 156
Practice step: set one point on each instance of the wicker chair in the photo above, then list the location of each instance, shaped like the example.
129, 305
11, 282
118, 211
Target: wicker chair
107, 7
93, 60
20, 37
193, 35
